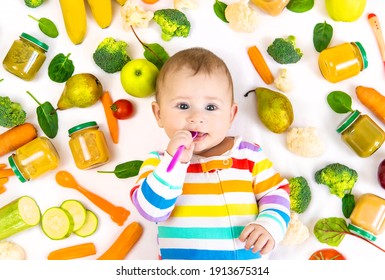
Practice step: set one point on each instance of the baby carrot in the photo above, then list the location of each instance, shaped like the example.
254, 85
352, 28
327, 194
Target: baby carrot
373, 100
112, 122
6, 172
73, 252
16, 137
123, 244
260, 65
2, 189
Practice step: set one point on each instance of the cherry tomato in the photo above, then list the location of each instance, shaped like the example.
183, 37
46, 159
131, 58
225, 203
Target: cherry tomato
327, 254
122, 109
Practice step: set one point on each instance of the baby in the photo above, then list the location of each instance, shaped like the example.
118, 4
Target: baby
223, 200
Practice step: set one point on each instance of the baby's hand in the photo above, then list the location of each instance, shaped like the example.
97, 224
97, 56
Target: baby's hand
181, 137
258, 238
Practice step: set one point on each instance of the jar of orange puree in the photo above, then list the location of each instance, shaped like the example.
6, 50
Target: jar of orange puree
342, 61
368, 217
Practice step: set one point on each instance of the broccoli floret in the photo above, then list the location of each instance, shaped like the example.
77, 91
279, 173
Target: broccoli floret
338, 177
284, 50
11, 113
33, 3
300, 194
173, 23
111, 55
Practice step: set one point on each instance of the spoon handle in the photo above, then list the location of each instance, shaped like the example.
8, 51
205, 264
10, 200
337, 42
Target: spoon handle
175, 158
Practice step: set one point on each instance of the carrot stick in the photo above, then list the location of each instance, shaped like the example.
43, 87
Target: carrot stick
260, 65
123, 244
73, 252
16, 137
2, 189
6, 172
373, 100
112, 122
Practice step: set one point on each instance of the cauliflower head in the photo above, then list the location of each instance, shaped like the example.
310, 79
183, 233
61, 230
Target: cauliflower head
241, 17
185, 4
134, 15
283, 81
296, 232
304, 141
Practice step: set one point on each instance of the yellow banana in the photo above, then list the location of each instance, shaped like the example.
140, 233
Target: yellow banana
101, 11
121, 2
75, 19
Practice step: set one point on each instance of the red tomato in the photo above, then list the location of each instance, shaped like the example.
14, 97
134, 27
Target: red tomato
327, 254
122, 109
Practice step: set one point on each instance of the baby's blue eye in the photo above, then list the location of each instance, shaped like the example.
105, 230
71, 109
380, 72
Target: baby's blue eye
211, 107
183, 106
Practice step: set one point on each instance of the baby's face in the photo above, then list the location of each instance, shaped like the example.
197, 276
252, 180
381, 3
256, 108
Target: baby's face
201, 103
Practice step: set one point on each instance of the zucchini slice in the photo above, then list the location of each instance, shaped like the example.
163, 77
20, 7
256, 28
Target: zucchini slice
18, 215
57, 223
77, 211
89, 226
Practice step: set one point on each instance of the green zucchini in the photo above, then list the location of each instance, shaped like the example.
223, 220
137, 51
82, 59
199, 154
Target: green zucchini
57, 223
77, 211
89, 226
18, 215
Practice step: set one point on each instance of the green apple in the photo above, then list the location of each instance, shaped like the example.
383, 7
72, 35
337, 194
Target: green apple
138, 77
345, 10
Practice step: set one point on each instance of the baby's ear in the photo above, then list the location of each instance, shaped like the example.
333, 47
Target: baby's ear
156, 111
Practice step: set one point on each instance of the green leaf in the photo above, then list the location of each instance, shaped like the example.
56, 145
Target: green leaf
47, 117
300, 6
348, 204
331, 230
126, 170
340, 102
60, 68
322, 35
219, 10
47, 26
156, 54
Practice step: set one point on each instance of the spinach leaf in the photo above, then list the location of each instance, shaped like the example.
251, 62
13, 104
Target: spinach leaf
47, 26
300, 6
331, 230
340, 102
219, 10
348, 204
322, 35
154, 53
61, 68
126, 170
47, 117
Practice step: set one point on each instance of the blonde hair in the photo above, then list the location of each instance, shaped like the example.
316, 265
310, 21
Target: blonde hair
198, 60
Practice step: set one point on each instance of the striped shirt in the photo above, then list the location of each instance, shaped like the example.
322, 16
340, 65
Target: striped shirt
201, 207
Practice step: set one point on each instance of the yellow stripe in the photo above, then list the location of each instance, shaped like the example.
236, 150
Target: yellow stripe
268, 183
215, 211
261, 166
216, 188
151, 161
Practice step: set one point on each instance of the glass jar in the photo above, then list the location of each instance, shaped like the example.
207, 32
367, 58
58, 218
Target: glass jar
361, 134
34, 159
342, 62
368, 216
271, 7
88, 145
25, 57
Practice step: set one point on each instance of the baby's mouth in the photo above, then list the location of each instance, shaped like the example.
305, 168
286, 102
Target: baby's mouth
197, 136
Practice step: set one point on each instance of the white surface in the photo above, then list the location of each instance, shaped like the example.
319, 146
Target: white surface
140, 134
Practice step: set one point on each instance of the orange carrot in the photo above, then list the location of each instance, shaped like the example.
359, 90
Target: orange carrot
373, 100
73, 252
123, 244
6, 172
2, 189
112, 122
16, 137
260, 65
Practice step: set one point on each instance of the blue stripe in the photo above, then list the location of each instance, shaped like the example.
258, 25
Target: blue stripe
284, 215
160, 180
200, 232
194, 254
154, 199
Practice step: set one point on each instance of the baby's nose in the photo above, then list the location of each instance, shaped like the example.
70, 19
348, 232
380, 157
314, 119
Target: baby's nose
196, 118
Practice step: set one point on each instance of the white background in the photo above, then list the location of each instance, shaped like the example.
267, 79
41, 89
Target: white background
140, 135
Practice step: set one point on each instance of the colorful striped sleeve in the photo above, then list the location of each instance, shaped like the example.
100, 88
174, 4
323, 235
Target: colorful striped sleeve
272, 194
156, 190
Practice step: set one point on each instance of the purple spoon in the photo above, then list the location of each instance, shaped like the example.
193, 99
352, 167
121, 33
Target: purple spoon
178, 152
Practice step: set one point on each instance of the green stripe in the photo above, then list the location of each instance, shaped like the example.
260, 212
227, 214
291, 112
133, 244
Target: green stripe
160, 180
200, 233
272, 217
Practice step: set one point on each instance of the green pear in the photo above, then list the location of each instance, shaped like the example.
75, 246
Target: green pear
81, 90
274, 109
